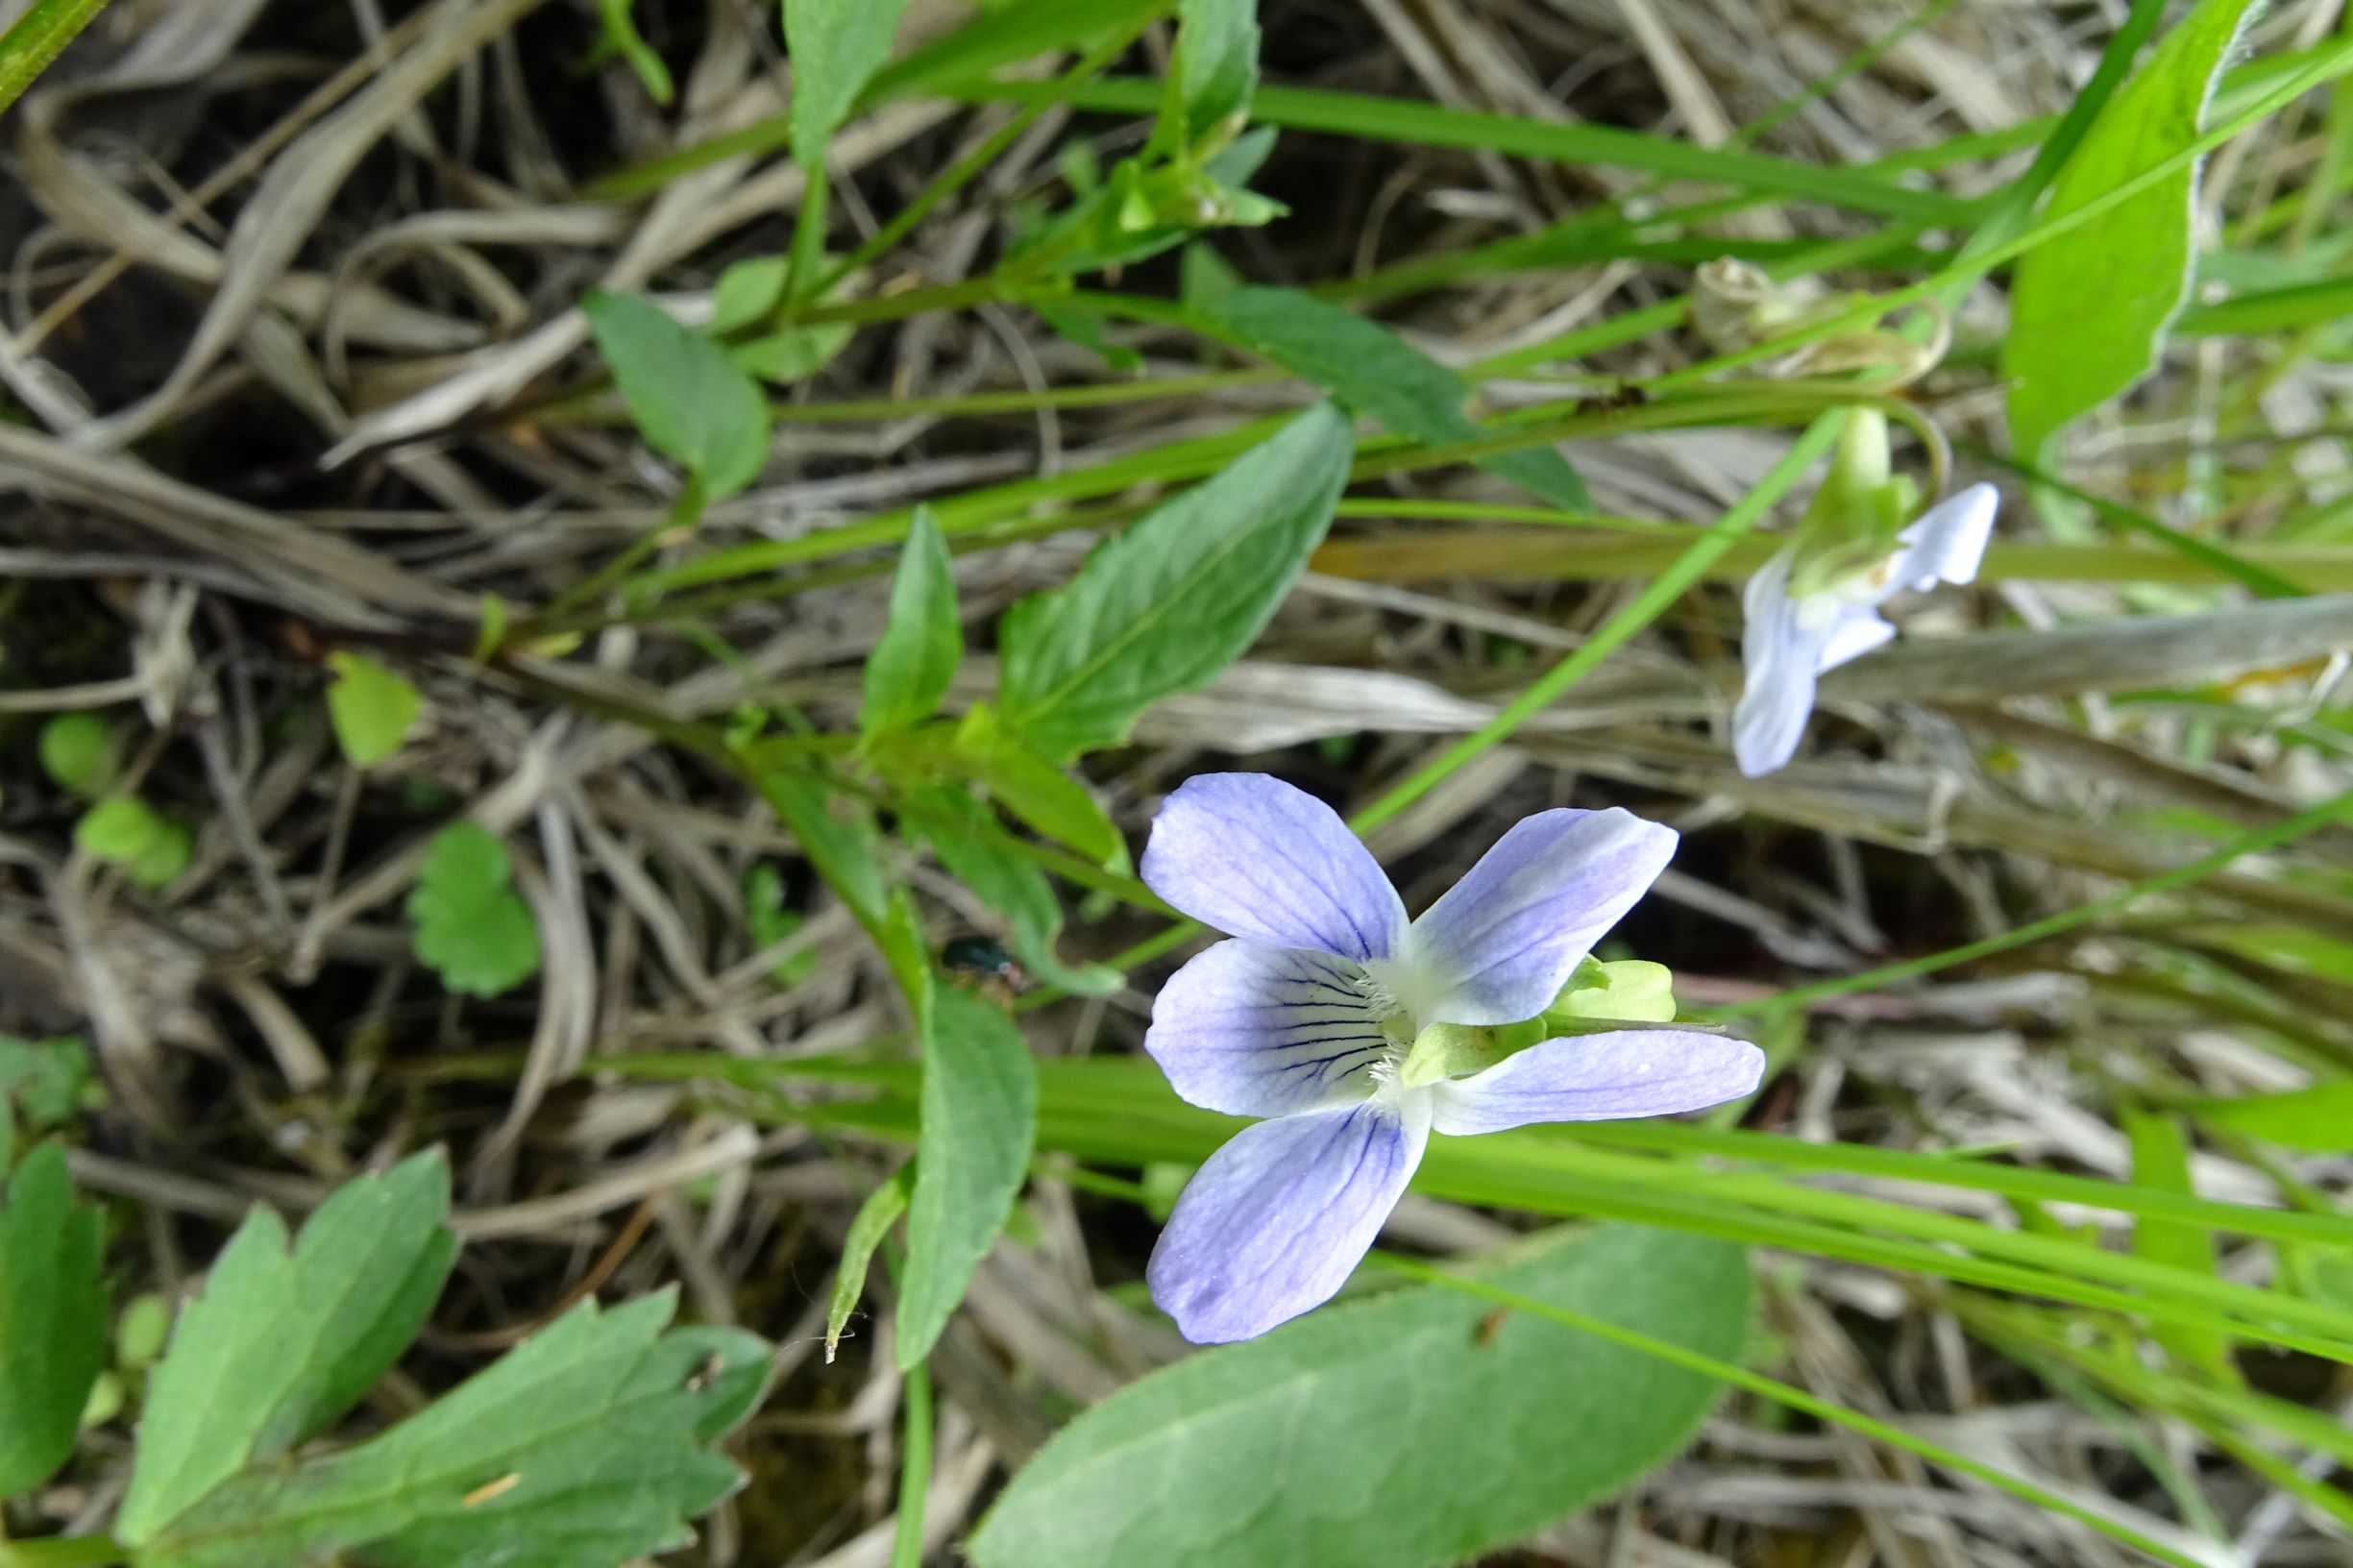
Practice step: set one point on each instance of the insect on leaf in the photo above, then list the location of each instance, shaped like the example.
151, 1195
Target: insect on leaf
977, 852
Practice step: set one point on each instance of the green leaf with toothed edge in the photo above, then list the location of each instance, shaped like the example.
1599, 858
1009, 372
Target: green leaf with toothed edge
583, 1446
284, 1340
1411, 1430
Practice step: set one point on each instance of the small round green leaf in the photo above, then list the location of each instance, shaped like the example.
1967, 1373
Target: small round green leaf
79, 754
372, 708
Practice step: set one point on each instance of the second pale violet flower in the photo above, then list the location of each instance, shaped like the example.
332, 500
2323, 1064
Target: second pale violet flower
1318, 1015
1793, 638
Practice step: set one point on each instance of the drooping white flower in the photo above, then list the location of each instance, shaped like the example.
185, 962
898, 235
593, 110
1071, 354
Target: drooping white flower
1793, 637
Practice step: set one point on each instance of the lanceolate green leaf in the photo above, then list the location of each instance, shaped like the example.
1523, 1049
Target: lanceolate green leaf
281, 1342
1372, 370
1032, 788
2318, 1119
1403, 1432
908, 673
979, 1108
1216, 66
2161, 1159
2089, 309
583, 1446
52, 1316
693, 404
845, 848
866, 1228
1177, 598
835, 45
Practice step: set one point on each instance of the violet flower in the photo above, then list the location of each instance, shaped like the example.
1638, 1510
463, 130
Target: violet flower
1793, 637
1345, 1025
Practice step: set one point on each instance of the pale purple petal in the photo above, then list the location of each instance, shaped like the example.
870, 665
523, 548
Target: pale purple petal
1501, 943
1254, 857
1857, 632
1255, 1030
1946, 542
1780, 651
1602, 1077
1274, 1223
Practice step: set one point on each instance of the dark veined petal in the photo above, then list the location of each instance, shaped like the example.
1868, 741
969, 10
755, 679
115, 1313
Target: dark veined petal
1274, 1222
1254, 857
1255, 1030
1501, 943
1602, 1077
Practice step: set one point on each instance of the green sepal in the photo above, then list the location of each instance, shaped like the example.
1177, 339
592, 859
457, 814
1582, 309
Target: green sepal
1628, 990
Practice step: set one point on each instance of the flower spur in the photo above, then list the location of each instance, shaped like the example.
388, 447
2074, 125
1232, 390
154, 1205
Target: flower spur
1356, 1033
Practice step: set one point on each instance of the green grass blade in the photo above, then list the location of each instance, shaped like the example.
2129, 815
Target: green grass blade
41, 34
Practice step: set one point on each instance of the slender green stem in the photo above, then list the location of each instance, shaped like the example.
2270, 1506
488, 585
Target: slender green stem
966, 169
1650, 604
2336, 808
1793, 1398
1022, 402
683, 514
915, 1470
808, 253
